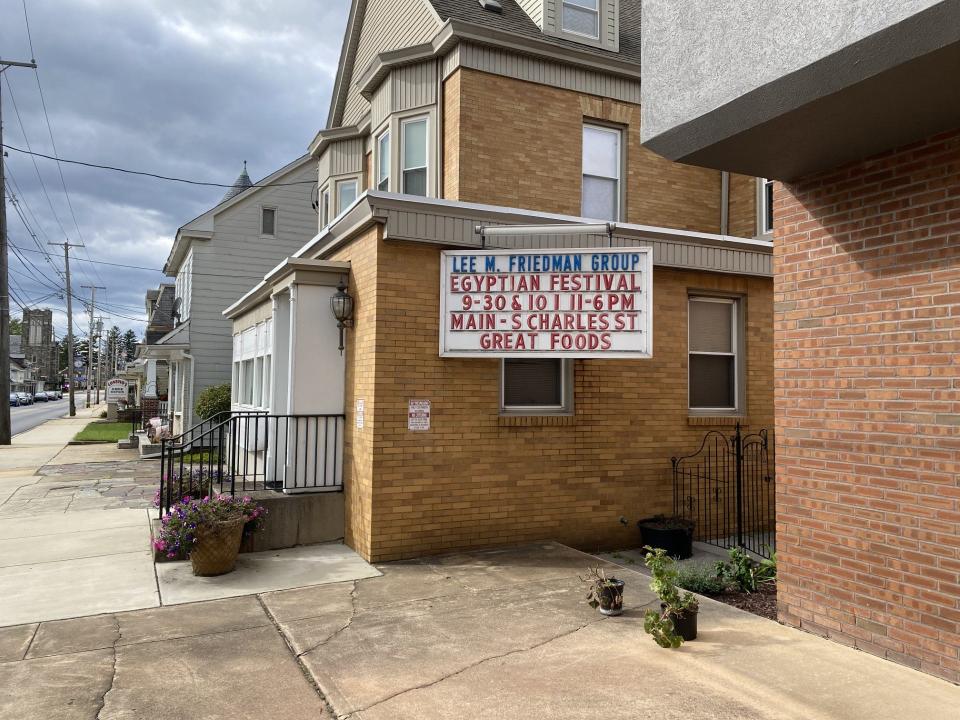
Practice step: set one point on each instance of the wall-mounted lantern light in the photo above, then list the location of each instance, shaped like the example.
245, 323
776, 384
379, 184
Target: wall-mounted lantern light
342, 306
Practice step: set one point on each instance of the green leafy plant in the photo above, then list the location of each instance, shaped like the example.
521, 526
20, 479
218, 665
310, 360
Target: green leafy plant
663, 570
700, 578
744, 573
213, 401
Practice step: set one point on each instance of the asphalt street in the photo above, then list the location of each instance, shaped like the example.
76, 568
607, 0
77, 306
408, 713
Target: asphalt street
29, 416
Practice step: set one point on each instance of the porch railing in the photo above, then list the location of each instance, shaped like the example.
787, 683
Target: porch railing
246, 451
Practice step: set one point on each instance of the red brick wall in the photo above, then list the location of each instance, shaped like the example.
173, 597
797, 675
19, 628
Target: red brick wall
867, 333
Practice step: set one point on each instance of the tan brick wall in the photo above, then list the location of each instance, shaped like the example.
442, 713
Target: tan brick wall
361, 362
867, 332
519, 144
476, 479
743, 205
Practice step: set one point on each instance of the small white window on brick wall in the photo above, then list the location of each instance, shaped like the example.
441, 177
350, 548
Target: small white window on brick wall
765, 205
581, 17
714, 354
414, 165
268, 221
536, 386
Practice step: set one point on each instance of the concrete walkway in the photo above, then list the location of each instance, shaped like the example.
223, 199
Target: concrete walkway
501, 634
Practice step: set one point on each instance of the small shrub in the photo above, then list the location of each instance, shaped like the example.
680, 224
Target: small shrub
103, 414
700, 578
745, 574
658, 625
213, 401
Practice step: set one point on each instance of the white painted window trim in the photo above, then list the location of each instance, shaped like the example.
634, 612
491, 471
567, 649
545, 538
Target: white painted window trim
325, 196
621, 163
403, 122
764, 213
338, 184
566, 392
385, 135
735, 344
183, 286
253, 344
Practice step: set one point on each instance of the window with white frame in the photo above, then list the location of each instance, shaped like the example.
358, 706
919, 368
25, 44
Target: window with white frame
600, 198
325, 207
252, 366
183, 287
413, 156
765, 205
536, 386
346, 194
383, 161
581, 17
268, 221
714, 360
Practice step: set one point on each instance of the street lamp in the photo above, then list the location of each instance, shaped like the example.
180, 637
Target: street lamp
341, 304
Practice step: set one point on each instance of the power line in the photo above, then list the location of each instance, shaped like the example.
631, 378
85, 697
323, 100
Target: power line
156, 176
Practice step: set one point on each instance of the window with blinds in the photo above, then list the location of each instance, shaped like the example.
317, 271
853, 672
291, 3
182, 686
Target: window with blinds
535, 384
713, 348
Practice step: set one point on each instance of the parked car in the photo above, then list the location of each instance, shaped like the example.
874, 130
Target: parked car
25, 398
14, 400
59, 394
51, 394
40, 396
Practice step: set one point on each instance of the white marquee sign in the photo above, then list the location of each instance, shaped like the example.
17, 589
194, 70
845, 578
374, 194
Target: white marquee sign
546, 303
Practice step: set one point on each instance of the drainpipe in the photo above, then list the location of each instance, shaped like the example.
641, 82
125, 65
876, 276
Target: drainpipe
724, 203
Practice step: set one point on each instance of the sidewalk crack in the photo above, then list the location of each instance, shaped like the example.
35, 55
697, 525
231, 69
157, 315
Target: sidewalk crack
519, 651
113, 669
347, 624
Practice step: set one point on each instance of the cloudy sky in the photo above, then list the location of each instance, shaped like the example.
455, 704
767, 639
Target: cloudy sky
183, 88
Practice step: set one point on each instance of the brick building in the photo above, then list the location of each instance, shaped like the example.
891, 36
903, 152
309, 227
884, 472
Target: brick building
862, 131
38, 346
445, 116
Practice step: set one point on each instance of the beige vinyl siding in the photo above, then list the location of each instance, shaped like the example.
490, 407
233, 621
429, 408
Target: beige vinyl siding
609, 23
387, 25
414, 86
346, 156
236, 258
381, 103
533, 8
544, 72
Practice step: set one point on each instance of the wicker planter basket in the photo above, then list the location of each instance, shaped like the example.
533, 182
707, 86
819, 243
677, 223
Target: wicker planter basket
217, 546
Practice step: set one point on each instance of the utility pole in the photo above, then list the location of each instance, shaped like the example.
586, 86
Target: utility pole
100, 354
5, 431
93, 299
70, 359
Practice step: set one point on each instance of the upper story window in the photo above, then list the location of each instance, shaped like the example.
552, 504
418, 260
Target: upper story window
581, 17
346, 194
268, 221
765, 205
714, 353
183, 288
325, 207
383, 161
601, 173
413, 156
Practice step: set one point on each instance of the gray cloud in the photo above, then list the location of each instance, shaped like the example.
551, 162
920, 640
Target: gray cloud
177, 87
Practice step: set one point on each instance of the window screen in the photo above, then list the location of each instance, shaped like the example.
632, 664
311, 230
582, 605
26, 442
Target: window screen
713, 353
533, 383
582, 17
414, 157
268, 221
601, 173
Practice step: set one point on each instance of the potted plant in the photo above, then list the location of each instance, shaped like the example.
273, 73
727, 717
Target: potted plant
209, 531
677, 619
605, 593
673, 534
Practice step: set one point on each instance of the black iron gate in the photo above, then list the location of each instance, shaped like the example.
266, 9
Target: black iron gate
727, 490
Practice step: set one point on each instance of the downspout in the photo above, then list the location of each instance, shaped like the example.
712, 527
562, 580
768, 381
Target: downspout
724, 203
439, 139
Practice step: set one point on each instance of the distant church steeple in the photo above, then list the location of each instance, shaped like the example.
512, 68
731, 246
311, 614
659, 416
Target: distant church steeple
242, 182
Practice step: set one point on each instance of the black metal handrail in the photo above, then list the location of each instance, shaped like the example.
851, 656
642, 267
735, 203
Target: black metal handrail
253, 450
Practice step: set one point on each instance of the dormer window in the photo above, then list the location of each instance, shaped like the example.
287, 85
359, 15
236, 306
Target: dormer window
581, 17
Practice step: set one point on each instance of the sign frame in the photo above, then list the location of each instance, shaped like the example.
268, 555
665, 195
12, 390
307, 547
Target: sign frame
110, 396
646, 292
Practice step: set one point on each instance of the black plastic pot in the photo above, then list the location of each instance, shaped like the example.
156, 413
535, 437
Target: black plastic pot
677, 541
611, 598
684, 624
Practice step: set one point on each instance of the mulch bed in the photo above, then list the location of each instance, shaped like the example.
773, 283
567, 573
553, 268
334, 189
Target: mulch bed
762, 603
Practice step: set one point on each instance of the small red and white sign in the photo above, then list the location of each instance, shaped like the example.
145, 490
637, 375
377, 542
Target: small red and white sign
418, 415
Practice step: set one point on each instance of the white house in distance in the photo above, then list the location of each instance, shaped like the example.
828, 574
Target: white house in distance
215, 258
